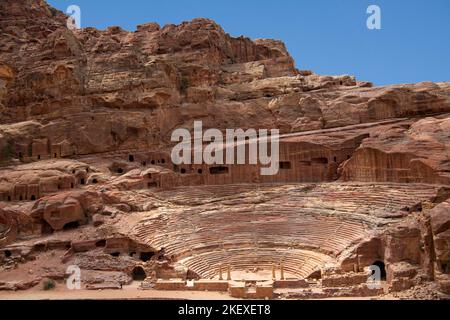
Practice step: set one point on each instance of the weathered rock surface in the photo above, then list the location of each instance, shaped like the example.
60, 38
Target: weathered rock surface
440, 223
416, 153
86, 176
59, 85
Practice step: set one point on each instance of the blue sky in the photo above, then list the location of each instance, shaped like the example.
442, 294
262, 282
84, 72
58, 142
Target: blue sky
326, 36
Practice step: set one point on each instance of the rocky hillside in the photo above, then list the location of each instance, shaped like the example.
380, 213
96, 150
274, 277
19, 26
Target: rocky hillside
130, 90
85, 123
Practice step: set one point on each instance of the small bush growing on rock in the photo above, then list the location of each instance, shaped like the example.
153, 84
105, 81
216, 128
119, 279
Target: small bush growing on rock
49, 284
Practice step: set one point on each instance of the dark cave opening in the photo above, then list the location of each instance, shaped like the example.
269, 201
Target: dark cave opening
146, 256
139, 274
152, 185
285, 165
100, 243
71, 225
382, 267
218, 170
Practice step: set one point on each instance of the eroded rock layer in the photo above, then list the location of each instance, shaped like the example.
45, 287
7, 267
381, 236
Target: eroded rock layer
86, 176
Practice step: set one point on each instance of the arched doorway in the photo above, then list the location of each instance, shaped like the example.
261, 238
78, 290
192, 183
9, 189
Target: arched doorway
138, 274
446, 267
382, 266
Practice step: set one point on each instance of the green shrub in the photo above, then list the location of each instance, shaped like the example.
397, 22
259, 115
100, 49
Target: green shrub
49, 284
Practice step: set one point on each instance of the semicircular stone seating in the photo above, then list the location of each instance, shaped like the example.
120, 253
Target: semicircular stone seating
260, 227
296, 263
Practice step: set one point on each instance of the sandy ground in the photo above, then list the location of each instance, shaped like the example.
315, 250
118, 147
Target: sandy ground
130, 292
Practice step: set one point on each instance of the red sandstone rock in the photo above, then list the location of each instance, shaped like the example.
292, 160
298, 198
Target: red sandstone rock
60, 210
416, 153
13, 224
440, 222
85, 124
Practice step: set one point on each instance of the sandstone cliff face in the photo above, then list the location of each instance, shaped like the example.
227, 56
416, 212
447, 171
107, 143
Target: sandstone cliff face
13, 225
416, 153
85, 123
440, 222
142, 85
